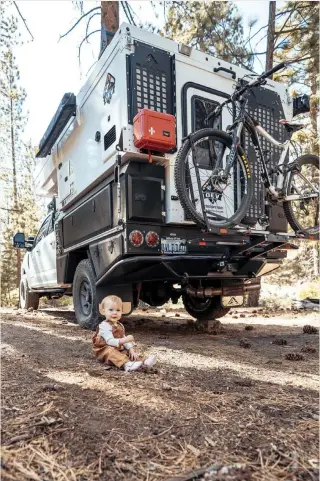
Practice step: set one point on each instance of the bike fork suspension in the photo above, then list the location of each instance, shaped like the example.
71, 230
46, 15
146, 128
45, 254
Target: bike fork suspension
234, 148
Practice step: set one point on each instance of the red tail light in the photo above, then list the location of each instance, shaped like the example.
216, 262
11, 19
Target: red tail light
136, 238
152, 239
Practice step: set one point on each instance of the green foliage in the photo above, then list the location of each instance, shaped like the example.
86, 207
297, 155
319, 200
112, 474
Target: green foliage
297, 40
18, 209
311, 290
212, 27
300, 265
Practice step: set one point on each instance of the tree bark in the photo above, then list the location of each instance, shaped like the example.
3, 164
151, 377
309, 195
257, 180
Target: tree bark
270, 35
109, 22
14, 172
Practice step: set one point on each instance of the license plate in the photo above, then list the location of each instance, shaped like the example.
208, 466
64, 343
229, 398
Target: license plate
173, 245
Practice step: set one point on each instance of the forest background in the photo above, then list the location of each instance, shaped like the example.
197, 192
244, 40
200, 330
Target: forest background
286, 30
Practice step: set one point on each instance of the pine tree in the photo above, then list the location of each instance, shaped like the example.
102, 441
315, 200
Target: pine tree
297, 40
212, 27
18, 208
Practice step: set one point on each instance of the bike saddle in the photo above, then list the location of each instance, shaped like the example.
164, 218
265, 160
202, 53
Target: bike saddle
290, 125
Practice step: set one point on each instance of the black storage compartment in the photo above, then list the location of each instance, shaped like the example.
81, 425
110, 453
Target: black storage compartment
142, 196
144, 199
89, 219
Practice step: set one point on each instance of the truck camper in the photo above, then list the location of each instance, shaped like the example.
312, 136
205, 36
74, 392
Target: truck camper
115, 224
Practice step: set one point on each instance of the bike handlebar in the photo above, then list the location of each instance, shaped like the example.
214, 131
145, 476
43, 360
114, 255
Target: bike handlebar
254, 83
273, 70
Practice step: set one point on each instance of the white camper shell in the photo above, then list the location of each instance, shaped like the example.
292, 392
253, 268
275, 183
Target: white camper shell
153, 72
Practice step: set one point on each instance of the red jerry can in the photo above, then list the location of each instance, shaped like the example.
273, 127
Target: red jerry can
154, 131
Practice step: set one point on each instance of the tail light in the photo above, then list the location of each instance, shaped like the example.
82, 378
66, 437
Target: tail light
152, 239
136, 238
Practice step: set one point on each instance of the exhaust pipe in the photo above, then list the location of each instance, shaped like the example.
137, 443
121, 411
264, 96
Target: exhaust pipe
211, 292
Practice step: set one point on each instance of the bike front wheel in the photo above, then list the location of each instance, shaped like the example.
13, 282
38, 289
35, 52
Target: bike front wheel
208, 196
302, 212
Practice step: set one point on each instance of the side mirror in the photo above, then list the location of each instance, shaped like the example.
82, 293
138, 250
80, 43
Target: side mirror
19, 240
29, 242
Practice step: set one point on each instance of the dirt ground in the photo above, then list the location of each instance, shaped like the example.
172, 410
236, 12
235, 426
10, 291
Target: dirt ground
248, 412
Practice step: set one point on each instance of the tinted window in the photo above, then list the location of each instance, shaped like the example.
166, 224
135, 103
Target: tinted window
201, 108
43, 229
51, 224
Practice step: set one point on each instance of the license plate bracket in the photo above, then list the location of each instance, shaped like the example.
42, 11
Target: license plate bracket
173, 246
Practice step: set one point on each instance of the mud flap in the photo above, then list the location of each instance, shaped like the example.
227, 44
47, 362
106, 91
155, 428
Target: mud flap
232, 296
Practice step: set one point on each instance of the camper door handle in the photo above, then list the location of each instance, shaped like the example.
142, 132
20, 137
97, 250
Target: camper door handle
233, 74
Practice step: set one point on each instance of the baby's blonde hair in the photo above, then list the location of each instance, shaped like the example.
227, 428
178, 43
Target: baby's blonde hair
107, 300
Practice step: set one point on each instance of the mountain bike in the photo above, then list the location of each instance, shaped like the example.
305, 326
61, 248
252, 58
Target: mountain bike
213, 176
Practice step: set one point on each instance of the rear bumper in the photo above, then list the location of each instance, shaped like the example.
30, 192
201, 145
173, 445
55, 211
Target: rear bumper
177, 268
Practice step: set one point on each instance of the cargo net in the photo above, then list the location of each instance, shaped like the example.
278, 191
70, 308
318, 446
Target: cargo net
151, 88
268, 118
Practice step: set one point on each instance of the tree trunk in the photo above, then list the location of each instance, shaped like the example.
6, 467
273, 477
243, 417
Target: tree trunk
315, 259
314, 114
270, 35
14, 180
109, 22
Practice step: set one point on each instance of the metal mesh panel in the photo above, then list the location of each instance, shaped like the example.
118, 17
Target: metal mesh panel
151, 88
150, 77
266, 108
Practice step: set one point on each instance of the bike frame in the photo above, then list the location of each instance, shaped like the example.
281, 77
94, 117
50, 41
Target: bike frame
254, 128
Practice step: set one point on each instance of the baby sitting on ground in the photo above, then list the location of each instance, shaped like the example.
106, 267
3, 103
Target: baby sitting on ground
110, 343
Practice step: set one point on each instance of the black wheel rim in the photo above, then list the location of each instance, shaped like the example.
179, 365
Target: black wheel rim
221, 199
85, 298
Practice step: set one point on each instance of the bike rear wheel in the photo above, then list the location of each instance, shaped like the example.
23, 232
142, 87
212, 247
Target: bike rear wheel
303, 214
208, 198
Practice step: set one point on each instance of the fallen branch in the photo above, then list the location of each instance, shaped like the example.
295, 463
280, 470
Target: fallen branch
150, 438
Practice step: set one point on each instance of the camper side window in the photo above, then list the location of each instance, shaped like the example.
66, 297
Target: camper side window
201, 108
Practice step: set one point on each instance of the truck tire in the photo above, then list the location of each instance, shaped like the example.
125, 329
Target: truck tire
85, 296
253, 298
204, 309
27, 299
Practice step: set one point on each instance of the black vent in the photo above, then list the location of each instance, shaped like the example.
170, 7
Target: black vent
265, 107
150, 75
110, 137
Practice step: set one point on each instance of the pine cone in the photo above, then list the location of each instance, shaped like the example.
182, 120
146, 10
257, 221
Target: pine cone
310, 349
249, 328
244, 343
294, 357
280, 342
310, 329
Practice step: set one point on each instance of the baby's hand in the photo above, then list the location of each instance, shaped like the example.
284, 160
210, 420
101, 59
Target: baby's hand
133, 356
